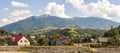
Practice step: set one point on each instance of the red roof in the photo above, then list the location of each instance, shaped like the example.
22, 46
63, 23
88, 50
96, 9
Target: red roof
66, 42
16, 38
62, 38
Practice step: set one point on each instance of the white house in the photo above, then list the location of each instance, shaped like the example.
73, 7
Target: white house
20, 40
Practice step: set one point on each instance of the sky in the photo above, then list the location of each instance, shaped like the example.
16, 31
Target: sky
15, 10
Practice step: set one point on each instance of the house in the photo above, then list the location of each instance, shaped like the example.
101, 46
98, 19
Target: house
20, 40
64, 40
103, 40
77, 45
58, 41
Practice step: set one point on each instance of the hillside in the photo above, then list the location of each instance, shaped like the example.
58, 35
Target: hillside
45, 21
75, 31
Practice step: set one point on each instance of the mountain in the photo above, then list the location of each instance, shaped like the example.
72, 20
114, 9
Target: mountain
45, 21
96, 23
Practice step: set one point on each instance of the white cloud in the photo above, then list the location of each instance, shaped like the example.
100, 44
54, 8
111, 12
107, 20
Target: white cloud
15, 16
18, 4
20, 14
3, 21
56, 10
5, 9
40, 10
102, 8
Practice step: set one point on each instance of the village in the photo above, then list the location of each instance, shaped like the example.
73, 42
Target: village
80, 43
42, 40
61, 44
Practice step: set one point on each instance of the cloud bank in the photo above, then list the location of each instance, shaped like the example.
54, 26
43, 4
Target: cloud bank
102, 8
15, 16
56, 10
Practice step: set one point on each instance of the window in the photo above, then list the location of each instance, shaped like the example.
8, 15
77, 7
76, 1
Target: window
21, 41
25, 41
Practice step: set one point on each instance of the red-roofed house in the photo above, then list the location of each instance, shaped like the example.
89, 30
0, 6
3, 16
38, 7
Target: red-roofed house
64, 40
20, 40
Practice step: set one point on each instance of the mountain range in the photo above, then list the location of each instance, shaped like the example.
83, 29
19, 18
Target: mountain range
45, 21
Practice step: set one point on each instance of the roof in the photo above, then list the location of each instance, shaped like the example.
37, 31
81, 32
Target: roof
16, 38
62, 38
103, 39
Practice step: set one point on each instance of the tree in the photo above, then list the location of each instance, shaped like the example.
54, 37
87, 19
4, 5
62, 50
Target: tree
112, 33
76, 40
119, 26
8, 40
32, 42
56, 35
2, 41
114, 41
42, 41
114, 36
3, 32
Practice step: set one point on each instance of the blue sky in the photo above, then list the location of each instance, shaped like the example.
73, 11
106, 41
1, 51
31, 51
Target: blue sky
14, 10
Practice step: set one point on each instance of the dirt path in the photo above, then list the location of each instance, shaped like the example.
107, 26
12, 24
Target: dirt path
12, 52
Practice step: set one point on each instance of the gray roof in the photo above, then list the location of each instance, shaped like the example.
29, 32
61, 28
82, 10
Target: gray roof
103, 39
